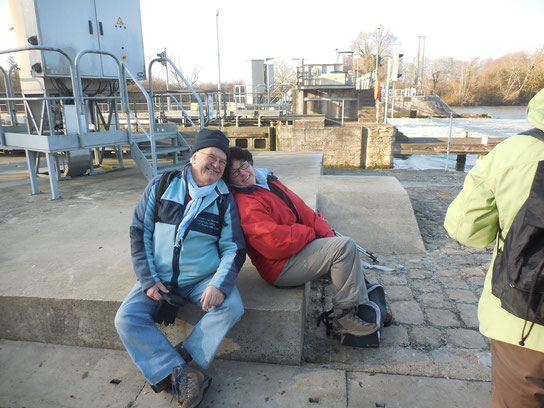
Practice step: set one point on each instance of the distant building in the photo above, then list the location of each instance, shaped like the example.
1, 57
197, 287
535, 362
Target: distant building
334, 90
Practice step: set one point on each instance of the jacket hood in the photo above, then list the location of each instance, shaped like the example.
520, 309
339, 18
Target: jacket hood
535, 110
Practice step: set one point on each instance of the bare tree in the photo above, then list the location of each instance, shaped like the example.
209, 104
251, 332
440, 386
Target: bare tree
284, 73
366, 44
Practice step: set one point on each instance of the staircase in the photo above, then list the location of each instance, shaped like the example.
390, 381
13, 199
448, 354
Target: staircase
170, 145
366, 105
160, 140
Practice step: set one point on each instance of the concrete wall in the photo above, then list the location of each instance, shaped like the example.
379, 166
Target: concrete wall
347, 146
379, 146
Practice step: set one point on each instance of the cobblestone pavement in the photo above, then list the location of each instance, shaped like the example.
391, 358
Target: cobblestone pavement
433, 297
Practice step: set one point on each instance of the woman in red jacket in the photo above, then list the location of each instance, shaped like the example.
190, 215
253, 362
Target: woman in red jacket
290, 244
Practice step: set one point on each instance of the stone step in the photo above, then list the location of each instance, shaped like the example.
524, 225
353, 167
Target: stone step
67, 289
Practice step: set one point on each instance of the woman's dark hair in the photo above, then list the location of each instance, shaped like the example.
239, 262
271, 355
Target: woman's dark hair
236, 153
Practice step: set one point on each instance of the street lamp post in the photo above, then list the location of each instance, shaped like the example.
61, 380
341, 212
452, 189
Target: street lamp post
377, 49
376, 79
269, 81
167, 82
218, 65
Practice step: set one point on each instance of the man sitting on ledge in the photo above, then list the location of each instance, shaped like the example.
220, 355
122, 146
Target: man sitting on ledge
191, 247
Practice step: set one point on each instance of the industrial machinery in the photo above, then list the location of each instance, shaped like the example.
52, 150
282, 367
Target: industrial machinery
75, 59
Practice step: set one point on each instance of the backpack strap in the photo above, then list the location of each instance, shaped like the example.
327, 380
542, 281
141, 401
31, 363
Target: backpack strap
164, 182
222, 203
536, 132
326, 319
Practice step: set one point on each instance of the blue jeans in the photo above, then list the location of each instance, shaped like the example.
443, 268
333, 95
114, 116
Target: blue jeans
149, 348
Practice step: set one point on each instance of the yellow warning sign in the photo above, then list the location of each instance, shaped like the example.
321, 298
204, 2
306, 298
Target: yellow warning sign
120, 22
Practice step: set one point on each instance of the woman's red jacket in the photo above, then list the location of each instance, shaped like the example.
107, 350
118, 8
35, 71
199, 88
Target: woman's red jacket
271, 229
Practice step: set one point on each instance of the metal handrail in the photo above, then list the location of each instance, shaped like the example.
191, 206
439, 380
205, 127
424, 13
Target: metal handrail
77, 95
199, 101
9, 94
184, 111
150, 109
122, 88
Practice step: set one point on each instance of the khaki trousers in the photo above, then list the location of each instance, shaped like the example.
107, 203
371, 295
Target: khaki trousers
336, 255
517, 376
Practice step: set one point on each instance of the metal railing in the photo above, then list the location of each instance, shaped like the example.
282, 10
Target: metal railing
76, 98
123, 96
324, 75
8, 84
189, 87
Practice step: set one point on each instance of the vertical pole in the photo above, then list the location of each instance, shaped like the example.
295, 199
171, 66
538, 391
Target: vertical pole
449, 143
52, 176
377, 49
343, 101
32, 170
422, 64
167, 82
218, 65
387, 90
416, 79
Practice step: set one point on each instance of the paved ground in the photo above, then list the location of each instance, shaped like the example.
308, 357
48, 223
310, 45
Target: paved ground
44, 375
433, 297
432, 354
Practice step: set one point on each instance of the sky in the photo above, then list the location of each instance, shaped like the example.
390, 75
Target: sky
289, 29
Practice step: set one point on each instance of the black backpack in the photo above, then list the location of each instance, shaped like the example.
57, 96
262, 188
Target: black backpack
375, 310
518, 271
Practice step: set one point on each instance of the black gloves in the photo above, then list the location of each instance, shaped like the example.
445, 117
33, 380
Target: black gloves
168, 308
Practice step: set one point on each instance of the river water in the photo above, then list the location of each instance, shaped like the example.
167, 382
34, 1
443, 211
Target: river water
504, 122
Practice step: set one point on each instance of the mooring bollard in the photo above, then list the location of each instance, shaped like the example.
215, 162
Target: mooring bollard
449, 143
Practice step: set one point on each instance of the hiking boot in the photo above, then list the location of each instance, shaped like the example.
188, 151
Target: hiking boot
346, 321
189, 386
162, 385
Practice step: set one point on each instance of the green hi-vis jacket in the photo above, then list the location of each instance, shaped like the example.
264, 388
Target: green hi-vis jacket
493, 192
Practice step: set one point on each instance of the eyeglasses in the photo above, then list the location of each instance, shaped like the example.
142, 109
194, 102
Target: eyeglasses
212, 158
236, 172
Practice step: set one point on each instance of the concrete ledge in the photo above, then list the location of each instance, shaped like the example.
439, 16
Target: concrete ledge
271, 329
375, 211
66, 267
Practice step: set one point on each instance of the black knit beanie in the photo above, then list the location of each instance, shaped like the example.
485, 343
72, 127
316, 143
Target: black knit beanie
211, 138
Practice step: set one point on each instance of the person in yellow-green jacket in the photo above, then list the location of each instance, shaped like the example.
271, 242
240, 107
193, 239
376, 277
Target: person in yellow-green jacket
507, 182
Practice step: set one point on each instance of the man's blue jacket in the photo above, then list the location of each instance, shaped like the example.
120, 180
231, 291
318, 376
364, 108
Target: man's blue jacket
208, 248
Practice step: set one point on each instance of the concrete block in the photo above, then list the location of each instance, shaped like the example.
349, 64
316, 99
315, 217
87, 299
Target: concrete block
69, 287
381, 390
271, 329
375, 211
